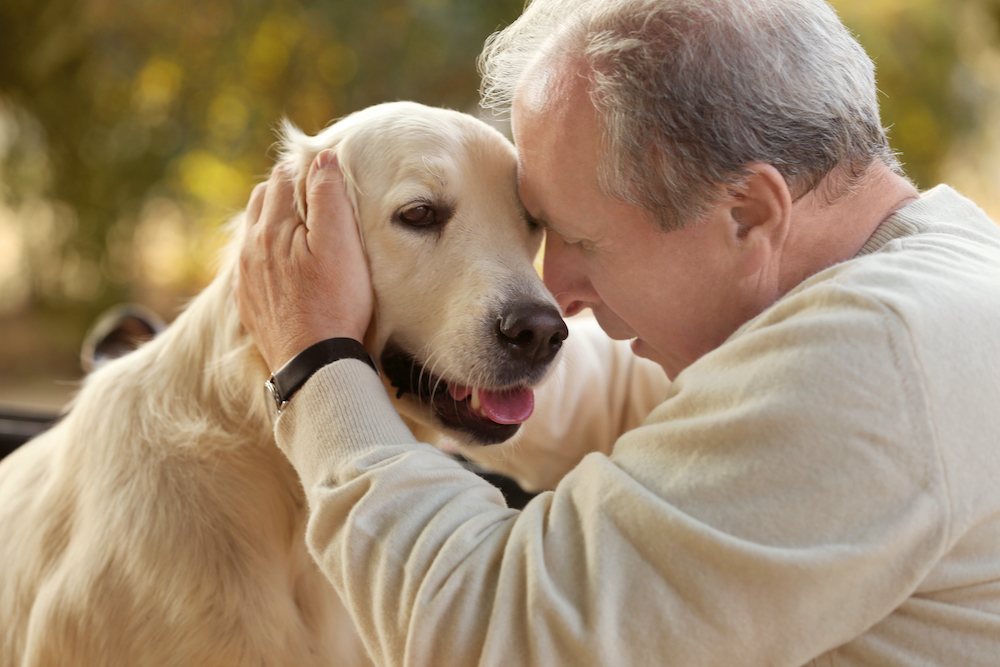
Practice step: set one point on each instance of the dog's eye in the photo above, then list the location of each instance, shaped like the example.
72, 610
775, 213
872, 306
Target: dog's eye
424, 215
418, 216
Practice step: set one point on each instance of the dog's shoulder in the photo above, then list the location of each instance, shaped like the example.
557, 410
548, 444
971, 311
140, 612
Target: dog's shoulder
116, 523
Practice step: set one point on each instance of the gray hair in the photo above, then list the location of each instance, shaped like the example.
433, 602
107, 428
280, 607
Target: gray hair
690, 92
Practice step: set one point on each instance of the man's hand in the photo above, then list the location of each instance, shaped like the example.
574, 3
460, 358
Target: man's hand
302, 281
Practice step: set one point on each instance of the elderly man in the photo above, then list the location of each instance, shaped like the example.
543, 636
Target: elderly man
819, 486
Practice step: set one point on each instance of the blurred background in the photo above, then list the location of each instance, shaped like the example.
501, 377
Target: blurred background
130, 130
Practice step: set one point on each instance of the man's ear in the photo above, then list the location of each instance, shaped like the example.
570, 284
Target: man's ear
760, 213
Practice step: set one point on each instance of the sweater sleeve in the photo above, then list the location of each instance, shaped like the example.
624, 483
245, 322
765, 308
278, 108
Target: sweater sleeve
779, 502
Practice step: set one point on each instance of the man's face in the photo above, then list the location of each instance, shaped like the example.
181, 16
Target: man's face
677, 294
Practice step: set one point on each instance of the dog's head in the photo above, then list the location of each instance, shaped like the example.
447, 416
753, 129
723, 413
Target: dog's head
463, 326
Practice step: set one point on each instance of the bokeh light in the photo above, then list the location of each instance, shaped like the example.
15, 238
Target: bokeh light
131, 131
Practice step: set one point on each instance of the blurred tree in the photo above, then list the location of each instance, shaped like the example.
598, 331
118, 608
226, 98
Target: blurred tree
156, 117
915, 47
129, 129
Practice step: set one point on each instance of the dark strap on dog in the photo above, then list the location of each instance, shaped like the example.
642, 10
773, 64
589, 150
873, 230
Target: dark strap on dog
287, 380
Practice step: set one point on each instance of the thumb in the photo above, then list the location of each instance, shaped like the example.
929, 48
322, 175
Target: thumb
329, 210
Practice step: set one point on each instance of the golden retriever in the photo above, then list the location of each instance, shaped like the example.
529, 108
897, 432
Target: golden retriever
158, 524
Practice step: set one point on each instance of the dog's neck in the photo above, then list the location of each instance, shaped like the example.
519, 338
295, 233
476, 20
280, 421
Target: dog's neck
202, 378
206, 376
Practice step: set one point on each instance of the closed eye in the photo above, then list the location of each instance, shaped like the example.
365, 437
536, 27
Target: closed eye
533, 223
583, 244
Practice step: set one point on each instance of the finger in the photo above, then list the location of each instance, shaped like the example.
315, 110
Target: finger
331, 215
256, 203
279, 201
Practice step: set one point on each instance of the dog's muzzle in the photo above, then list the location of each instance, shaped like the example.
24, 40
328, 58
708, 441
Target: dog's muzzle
524, 341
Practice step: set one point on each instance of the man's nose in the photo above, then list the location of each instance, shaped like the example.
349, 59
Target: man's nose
565, 278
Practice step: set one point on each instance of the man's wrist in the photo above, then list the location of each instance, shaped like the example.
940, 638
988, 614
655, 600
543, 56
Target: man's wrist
287, 380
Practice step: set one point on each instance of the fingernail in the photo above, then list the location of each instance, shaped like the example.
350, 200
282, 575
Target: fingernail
327, 159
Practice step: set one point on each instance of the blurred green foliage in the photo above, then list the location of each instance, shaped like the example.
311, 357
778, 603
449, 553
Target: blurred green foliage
915, 45
130, 129
118, 103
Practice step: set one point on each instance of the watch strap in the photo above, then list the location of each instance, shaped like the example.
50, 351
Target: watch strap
288, 379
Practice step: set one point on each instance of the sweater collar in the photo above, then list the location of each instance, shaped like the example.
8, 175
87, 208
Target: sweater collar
912, 218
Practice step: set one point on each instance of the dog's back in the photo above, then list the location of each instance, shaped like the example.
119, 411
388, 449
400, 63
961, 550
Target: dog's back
158, 524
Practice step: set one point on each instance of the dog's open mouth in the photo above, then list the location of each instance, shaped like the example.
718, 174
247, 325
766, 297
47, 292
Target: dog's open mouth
489, 415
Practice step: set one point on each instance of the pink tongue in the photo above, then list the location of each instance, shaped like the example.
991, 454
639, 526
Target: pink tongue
510, 406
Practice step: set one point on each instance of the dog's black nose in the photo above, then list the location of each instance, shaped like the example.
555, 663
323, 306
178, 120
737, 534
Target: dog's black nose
532, 334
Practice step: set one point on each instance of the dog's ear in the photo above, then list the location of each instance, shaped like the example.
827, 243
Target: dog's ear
299, 149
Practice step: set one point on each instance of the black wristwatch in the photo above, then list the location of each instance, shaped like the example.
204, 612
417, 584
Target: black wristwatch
288, 379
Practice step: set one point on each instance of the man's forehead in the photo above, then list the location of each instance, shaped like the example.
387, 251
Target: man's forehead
539, 89
548, 83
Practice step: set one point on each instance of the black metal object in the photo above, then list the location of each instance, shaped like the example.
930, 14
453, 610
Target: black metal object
118, 332
18, 425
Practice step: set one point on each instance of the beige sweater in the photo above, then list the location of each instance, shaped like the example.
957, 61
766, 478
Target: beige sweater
824, 489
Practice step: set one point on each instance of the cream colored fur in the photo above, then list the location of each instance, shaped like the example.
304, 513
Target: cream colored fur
158, 523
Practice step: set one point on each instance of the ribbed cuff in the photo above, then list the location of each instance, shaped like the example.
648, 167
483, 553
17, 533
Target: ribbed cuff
341, 414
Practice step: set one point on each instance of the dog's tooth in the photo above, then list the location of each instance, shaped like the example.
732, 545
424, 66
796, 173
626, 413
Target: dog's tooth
474, 399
